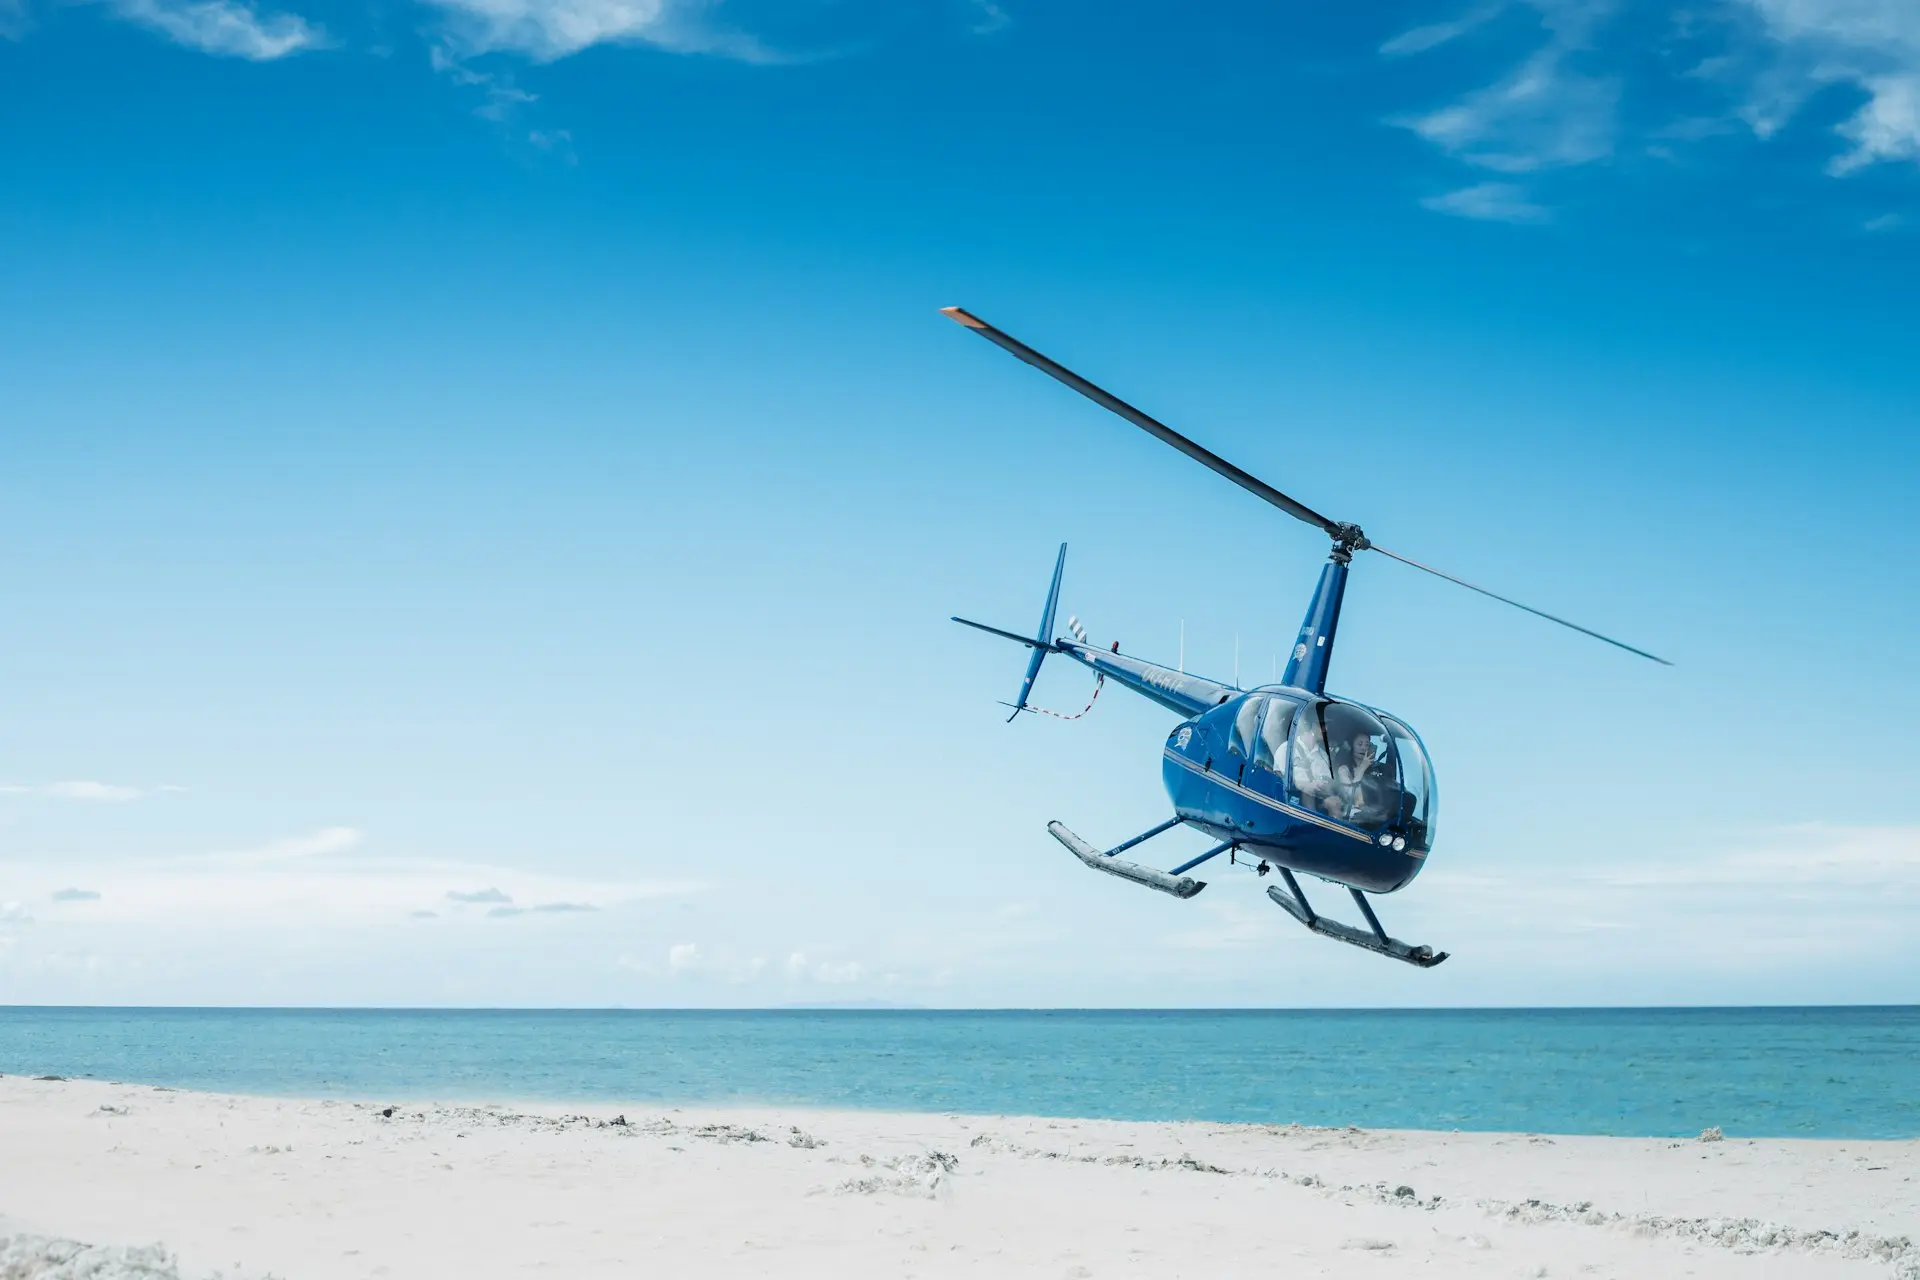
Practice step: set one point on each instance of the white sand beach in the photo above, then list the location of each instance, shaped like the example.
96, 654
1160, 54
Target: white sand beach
244, 1186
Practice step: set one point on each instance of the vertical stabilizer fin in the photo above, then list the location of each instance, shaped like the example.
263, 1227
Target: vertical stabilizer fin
1042, 642
1043, 639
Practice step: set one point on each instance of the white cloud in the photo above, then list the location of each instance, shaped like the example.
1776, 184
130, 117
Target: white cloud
75, 895
1543, 114
488, 894
549, 29
1884, 860
14, 913
544, 908
1559, 108
1832, 893
558, 142
686, 960
832, 972
1873, 45
324, 841
1488, 201
502, 101
224, 27
989, 17
106, 792
1886, 128
838, 973
1885, 222
326, 878
1432, 36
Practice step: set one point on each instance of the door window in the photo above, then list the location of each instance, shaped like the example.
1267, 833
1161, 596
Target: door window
1246, 724
1270, 750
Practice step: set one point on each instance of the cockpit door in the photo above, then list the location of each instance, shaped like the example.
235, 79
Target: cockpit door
1267, 747
1242, 737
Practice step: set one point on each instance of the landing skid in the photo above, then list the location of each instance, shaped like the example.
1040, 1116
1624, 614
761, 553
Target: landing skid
1295, 904
1173, 882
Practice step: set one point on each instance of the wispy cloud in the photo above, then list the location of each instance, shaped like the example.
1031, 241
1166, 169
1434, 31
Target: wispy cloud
308, 880
1885, 222
1830, 891
1560, 106
1433, 35
1872, 45
100, 792
989, 17
832, 972
1489, 202
549, 29
544, 908
1543, 114
292, 849
686, 960
478, 895
226, 28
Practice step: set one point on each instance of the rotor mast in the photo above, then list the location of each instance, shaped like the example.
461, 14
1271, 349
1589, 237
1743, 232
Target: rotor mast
1313, 650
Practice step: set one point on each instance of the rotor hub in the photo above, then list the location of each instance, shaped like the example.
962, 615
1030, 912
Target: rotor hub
1347, 539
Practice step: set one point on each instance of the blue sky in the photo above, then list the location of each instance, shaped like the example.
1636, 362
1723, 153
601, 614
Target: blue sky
486, 480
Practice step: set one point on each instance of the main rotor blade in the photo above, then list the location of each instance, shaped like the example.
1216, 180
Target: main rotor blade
1146, 422
1538, 613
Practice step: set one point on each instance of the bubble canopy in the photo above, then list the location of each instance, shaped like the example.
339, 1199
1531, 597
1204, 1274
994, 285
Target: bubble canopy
1338, 759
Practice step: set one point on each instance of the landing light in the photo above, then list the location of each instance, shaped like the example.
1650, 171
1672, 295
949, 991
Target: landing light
1399, 844
1385, 839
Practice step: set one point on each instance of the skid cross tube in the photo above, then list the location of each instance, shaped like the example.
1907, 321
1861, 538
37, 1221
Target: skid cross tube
1144, 836
1191, 863
1294, 903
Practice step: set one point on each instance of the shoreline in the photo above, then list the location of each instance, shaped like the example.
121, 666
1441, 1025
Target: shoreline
1781, 1073
256, 1185
535, 1104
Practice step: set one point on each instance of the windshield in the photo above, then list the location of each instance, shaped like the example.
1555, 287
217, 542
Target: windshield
1344, 765
1418, 799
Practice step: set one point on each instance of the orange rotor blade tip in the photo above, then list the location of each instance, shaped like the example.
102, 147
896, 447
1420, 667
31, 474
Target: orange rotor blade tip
959, 315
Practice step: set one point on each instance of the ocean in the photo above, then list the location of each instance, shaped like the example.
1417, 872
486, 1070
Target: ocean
1767, 1072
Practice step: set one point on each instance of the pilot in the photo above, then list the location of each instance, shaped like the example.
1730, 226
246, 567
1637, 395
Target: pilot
1362, 780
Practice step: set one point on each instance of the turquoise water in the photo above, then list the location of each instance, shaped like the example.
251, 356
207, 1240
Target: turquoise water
1852, 1072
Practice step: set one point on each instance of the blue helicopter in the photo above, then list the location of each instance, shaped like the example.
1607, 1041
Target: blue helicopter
1284, 777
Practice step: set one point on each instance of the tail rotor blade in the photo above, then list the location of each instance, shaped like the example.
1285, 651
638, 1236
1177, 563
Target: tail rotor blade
1538, 613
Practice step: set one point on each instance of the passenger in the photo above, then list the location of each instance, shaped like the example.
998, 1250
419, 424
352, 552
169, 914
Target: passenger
1312, 771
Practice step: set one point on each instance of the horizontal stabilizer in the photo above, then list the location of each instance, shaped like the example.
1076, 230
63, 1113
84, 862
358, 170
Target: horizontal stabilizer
1029, 641
1178, 886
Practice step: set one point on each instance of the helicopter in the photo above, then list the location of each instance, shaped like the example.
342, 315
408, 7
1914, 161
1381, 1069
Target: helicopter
1284, 777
